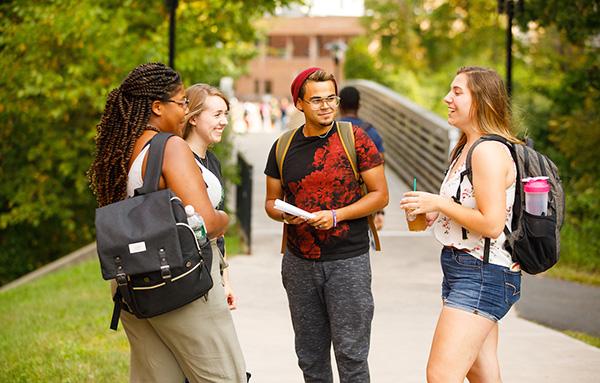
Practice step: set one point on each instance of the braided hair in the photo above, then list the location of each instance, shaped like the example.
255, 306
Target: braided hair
126, 114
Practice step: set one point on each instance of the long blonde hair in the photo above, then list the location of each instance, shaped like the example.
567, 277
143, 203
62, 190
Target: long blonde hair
490, 106
197, 95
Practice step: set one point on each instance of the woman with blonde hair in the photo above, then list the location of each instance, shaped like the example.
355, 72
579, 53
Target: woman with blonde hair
204, 127
481, 282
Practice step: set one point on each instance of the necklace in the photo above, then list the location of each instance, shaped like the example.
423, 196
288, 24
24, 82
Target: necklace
203, 161
327, 132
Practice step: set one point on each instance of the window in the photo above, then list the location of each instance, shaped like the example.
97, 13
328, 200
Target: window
276, 46
300, 46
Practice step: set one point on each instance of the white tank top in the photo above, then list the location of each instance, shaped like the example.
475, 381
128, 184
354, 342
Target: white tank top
213, 186
134, 179
449, 233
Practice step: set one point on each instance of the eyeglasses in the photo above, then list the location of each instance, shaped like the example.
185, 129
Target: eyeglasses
316, 103
183, 103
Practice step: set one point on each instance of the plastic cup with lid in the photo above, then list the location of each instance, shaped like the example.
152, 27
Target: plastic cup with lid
536, 195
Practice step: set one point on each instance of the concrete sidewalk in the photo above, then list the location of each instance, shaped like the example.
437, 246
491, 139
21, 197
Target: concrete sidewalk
406, 286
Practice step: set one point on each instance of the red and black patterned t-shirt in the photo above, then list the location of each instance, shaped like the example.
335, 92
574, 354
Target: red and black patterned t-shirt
318, 176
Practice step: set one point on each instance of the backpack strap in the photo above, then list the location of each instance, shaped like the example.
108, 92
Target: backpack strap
154, 163
117, 298
456, 199
281, 149
346, 134
469, 173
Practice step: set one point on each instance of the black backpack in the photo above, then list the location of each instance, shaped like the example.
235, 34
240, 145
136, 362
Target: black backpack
146, 245
533, 241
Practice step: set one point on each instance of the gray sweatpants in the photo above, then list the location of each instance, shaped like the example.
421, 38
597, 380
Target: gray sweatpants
330, 302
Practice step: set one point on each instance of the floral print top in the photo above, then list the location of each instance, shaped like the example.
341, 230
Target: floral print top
318, 176
449, 233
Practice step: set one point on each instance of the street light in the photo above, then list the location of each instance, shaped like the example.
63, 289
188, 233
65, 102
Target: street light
338, 49
172, 6
507, 6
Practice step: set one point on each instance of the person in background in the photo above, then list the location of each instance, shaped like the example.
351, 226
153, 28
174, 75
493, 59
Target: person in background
326, 269
197, 340
476, 292
349, 105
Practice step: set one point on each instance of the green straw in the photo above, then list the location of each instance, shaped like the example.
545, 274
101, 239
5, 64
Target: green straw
415, 184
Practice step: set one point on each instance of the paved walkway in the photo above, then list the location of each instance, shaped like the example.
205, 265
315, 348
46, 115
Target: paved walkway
406, 286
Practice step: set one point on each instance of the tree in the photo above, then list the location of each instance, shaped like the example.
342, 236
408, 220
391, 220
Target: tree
570, 32
60, 59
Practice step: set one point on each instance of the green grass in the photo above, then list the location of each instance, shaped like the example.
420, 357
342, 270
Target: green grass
234, 243
580, 255
55, 329
591, 340
570, 273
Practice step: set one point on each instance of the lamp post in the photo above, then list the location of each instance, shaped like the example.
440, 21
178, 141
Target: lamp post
172, 6
508, 7
338, 49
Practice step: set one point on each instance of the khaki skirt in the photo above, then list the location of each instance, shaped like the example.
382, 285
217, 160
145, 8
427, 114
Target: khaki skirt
197, 341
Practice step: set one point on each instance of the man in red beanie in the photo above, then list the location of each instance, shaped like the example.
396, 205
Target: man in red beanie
326, 267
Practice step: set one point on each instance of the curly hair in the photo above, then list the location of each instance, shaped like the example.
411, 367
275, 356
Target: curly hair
126, 114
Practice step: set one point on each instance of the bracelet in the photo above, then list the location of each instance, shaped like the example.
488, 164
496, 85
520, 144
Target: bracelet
334, 218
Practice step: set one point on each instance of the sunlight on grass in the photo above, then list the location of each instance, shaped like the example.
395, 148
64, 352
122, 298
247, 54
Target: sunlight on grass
569, 273
55, 329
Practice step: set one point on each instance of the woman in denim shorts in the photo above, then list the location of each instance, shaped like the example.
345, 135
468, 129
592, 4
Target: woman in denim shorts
475, 294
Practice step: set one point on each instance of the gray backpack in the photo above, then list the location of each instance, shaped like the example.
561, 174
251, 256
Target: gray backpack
146, 245
532, 240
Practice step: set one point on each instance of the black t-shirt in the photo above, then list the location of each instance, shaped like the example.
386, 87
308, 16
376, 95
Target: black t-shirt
318, 176
212, 163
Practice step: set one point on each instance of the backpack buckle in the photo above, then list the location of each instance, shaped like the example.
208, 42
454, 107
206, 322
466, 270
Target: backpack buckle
121, 279
165, 272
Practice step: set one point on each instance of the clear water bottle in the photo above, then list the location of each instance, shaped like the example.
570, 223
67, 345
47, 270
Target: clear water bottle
536, 195
197, 224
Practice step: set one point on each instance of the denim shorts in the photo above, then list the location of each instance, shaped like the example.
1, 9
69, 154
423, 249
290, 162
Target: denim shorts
480, 288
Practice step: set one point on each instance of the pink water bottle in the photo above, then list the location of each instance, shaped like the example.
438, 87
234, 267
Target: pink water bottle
536, 195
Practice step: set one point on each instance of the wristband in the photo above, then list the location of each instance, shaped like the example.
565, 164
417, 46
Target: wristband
334, 218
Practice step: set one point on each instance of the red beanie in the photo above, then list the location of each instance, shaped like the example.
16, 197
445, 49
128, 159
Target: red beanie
301, 78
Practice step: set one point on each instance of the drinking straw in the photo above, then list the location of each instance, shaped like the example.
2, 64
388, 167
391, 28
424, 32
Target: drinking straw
415, 184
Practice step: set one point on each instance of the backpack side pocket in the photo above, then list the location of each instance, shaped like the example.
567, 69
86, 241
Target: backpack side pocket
535, 249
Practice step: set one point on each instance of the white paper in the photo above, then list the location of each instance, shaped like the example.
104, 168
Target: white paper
291, 209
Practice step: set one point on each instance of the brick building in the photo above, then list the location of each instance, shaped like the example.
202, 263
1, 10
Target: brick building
294, 44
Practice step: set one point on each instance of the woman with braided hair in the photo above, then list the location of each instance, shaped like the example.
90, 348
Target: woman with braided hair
198, 340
